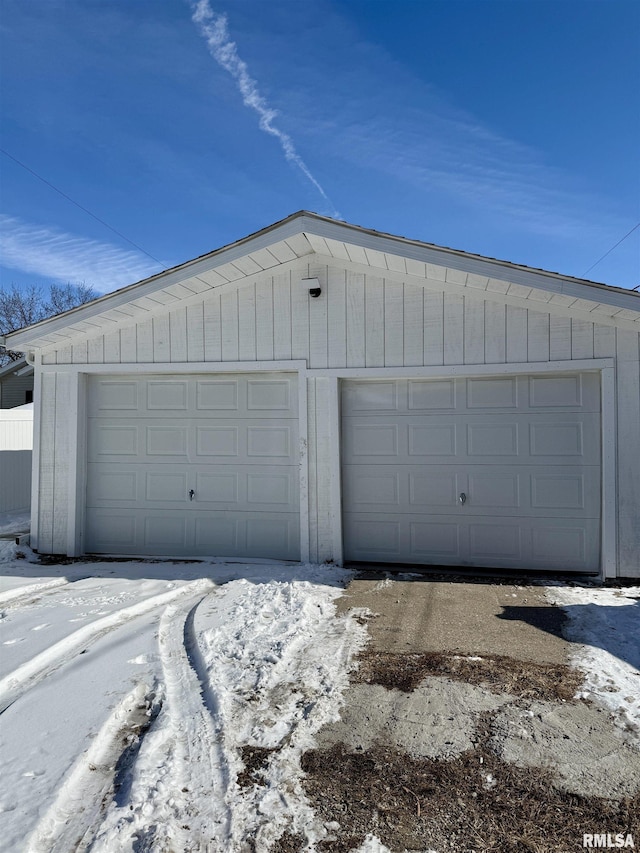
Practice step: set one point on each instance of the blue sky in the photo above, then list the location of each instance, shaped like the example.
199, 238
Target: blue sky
509, 128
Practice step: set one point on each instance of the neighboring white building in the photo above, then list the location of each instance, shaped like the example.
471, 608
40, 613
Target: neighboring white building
318, 391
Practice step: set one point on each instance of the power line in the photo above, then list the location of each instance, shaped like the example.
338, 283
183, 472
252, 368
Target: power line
637, 225
84, 209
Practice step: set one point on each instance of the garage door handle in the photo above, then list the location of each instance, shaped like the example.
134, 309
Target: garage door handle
462, 498
191, 494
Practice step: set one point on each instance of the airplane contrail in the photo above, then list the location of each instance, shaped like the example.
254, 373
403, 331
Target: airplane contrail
213, 28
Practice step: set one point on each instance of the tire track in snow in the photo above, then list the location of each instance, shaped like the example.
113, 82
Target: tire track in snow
202, 768
72, 820
39, 667
23, 594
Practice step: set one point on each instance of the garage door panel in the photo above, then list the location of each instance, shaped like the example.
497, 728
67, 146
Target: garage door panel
435, 540
377, 396
202, 465
166, 441
370, 488
112, 531
219, 395
574, 391
432, 487
489, 540
435, 490
163, 486
220, 487
113, 440
565, 491
232, 396
166, 532
269, 535
431, 439
107, 486
551, 544
493, 490
524, 394
269, 441
496, 481
374, 537
492, 393
363, 439
217, 441
495, 439
167, 395
557, 439
268, 395
431, 396
114, 395
219, 535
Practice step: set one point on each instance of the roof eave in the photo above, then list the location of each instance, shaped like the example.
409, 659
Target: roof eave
322, 226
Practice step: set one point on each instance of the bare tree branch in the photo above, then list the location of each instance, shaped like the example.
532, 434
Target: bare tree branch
20, 307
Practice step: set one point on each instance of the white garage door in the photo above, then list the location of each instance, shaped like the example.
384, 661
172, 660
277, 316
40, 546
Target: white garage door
193, 465
495, 472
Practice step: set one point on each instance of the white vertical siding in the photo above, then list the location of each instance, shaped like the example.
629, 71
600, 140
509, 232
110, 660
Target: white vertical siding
374, 321
433, 313
212, 328
312, 456
393, 324
247, 323
111, 349
264, 321
474, 326
516, 333
559, 338
453, 328
282, 316
413, 326
48, 471
628, 396
355, 320
195, 332
323, 451
537, 336
128, 344
318, 322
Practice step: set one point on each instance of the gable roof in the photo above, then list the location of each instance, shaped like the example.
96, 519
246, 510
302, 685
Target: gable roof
305, 233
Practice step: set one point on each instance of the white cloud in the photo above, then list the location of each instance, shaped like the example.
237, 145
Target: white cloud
213, 28
59, 256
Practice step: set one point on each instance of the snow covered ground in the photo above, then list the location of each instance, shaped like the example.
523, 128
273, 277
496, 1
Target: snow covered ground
128, 689
605, 626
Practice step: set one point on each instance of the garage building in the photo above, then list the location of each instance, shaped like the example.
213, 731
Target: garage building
318, 391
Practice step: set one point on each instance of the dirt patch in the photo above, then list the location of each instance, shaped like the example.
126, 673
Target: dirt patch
255, 760
475, 802
498, 673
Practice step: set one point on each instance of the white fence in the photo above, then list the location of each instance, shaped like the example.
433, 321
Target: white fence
16, 441
16, 428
